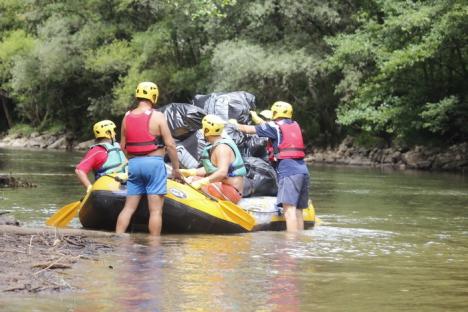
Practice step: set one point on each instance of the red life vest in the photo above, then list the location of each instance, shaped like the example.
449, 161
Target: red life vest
271, 153
292, 144
139, 141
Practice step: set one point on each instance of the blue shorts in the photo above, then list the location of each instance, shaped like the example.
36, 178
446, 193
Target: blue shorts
146, 175
294, 190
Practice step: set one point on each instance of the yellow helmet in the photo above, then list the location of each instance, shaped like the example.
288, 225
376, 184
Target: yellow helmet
212, 125
104, 129
281, 109
267, 114
147, 90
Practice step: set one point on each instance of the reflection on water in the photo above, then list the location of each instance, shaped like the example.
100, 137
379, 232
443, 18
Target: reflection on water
390, 241
209, 273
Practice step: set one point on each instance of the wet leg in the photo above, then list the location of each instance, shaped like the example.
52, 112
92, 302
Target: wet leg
300, 219
291, 217
155, 206
131, 205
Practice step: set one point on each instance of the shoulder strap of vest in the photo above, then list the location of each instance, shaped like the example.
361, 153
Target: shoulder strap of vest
108, 147
229, 143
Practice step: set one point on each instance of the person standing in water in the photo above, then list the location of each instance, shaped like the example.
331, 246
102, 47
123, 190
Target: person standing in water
293, 175
145, 138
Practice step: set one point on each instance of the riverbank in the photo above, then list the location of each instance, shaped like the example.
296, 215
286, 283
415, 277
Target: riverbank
453, 158
44, 141
38, 260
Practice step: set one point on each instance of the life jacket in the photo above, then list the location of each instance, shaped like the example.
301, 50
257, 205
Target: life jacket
139, 140
292, 144
271, 153
236, 169
115, 157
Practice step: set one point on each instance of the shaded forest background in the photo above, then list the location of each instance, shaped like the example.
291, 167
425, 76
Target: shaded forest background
386, 71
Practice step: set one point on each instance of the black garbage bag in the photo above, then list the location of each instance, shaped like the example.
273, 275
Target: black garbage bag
232, 105
255, 146
260, 179
193, 145
237, 136
183, 119
199, 100
186, 159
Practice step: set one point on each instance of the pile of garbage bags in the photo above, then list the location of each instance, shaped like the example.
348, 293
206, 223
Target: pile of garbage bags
185, 122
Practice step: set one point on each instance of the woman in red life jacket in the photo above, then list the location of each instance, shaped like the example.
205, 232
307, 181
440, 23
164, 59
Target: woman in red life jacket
293, 176
145, 138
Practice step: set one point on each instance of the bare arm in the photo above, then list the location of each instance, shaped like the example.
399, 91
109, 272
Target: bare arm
123, 139
201, 172
247, 129
83, 177
169, 142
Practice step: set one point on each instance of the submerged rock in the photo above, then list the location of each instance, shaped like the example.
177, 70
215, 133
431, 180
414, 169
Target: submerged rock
10, 181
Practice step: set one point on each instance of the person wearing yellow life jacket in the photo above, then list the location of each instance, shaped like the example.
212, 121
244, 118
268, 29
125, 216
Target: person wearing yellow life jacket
223, 167
145, 138
293, 175
103, 157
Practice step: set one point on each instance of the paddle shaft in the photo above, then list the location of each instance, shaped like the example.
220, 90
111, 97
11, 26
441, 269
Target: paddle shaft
243, 218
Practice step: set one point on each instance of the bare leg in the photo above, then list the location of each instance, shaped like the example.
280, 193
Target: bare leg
291, 218
155, 205
300, 219
131, 205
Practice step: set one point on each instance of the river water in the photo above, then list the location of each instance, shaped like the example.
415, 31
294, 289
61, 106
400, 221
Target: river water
389, 241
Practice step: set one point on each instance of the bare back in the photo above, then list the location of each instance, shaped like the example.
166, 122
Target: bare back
157, 127
222, 157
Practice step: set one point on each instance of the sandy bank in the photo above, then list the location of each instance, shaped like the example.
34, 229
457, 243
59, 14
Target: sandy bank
35, 260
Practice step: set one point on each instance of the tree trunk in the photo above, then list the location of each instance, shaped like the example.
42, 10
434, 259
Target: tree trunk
5, 109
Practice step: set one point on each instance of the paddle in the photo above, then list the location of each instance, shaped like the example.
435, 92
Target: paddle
236, 213
65, 214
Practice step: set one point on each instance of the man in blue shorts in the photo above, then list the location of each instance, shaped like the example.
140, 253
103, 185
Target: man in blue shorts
293, 175
145, 138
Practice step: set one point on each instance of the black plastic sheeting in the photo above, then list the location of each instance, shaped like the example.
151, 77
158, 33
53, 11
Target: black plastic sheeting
232, 105
260, 179
249, 145
190, 149
183, 119
254, 146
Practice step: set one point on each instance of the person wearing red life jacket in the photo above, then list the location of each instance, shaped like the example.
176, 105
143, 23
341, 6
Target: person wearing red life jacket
103, 157
145, 138
293, 175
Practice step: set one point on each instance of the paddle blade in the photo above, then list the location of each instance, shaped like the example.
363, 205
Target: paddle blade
237, 214
63, 216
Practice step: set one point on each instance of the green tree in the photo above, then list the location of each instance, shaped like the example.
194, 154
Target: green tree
403, 71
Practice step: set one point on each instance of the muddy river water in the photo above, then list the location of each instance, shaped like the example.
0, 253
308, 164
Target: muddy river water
389, 241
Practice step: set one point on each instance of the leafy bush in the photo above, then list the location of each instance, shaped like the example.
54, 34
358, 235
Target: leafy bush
23, 130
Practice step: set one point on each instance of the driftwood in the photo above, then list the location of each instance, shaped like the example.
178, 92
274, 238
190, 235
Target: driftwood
32, 258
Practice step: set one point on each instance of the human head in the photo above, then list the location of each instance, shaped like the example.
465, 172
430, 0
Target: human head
281, 109
104, 129
147, 90
212, 125
266, 114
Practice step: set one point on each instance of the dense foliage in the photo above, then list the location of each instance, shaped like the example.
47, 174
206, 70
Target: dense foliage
394, 69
